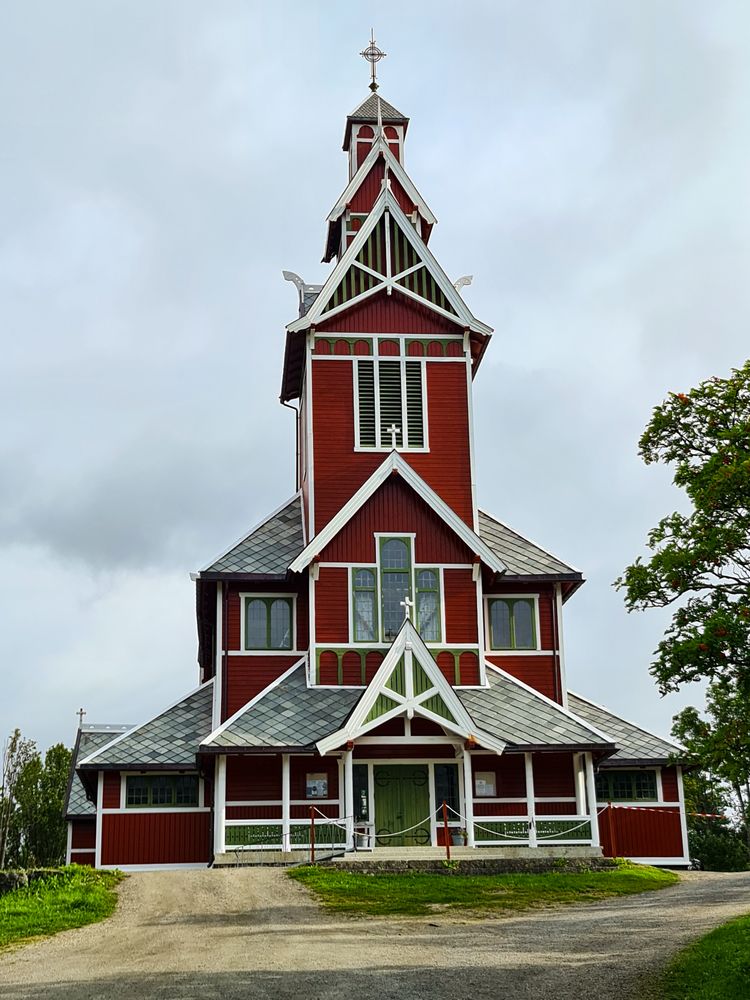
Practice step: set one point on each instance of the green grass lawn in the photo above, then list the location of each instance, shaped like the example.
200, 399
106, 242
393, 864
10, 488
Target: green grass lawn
418, 894
716, 967
72, 898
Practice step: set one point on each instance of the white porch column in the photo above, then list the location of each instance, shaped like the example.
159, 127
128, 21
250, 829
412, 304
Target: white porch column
220, 805
530, 803
349, 798
591, 795
469, 800
683, 817
580, 776
286, 827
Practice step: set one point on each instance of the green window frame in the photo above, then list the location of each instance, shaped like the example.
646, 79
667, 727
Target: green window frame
626, 786
512, 622
161, 791
365, 604
269, 622
395, 583
428, 604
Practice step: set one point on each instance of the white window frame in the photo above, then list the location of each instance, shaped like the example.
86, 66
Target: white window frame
510, 651
267, 652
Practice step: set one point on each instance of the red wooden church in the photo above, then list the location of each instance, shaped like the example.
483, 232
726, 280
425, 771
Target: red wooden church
380, 644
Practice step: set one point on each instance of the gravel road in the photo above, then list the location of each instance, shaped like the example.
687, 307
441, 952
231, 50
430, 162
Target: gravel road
253, 933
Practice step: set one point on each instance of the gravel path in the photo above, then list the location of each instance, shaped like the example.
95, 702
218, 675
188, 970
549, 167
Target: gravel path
253, 933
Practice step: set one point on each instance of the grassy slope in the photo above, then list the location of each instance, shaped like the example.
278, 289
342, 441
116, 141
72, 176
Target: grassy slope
716, 967
417, 894
75, 897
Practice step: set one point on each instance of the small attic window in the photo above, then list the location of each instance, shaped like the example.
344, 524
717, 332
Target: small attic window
268, 622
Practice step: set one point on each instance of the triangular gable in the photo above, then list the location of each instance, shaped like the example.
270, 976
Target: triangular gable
395, 463
387, 253
409, 682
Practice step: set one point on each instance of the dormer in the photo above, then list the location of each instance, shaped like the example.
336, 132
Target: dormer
364, 126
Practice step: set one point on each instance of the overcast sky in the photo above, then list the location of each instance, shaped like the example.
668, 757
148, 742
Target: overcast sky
163, 161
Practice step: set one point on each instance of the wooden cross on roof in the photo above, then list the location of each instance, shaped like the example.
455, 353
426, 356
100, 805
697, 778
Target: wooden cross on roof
373, 55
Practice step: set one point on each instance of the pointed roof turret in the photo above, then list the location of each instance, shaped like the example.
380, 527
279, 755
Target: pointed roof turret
367, 114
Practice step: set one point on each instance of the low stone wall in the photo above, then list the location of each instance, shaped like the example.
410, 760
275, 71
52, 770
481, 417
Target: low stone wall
474, 866
10, 880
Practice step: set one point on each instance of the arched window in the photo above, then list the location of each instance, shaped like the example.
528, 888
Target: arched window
364, 605
428, 604
395, 582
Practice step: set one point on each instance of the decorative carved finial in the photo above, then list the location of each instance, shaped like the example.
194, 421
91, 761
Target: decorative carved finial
80, 713
465, 280
373, 55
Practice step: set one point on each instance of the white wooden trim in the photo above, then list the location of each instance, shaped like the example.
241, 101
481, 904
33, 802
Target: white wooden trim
193, 866
99, 804
69, 842
149, 810
309, 342
683, 817
286, 839
218, 657
560, 643
468, 776
260, 653
510, 651
661, 862
220, 806
591, 797
528, 761
284, 596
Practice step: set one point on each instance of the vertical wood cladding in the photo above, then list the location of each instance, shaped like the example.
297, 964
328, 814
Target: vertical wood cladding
669, 785
253, 778
111, 794
396, 508
641, 833
553, 775
367, 192
339, 471
332, 605
539, 672
83, 834
155, 838
394, 313
460, 599
247, 676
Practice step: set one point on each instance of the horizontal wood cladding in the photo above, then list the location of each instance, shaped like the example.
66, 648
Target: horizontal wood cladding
300, 767
641, 833
83, 834
155, 838
553, 774
247, 676
435, 751
556, 808
384, 313
254, 812
339, 471
396, 508
253, 779
233, 609
669, 786
460, 600
539, 672
332, 605
509, 771
111, 793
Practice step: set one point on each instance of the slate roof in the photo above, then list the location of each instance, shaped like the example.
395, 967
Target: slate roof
289, 715
89, 738
633, 743
368, 110
170, 739
522, 557
516, 715
269, 548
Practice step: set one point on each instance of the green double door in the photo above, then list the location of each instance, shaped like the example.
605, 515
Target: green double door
402, 801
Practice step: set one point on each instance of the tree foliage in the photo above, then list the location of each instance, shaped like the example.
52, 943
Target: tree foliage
32, 827
700, 561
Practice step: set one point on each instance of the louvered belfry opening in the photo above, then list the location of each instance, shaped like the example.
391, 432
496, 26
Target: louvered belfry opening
390, 395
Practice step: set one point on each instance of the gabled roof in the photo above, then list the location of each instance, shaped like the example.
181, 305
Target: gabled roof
169, 740
287, 713
368, 111
395, 463
268, 548
380, 148
409, 682
521, 556
634, 744
524, 718
456, 309
88, 739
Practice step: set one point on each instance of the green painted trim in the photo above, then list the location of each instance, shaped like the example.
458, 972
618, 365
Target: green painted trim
511, 602
365, 590
172, 779
268, 601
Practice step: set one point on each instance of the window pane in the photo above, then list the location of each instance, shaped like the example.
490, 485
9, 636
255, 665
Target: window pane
186, 790
622, 785
523, 623
364, 615
364, 578
162, 791
394, 554
499, 625
602, 788
256, 621
645, 785
136, 792
427, 580
446, 787
281, 625
428, 616
395, 590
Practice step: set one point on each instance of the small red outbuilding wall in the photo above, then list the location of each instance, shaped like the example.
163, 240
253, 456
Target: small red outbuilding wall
641, 833
155, 838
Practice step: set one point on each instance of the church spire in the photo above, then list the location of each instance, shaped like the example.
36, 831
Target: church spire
373, 55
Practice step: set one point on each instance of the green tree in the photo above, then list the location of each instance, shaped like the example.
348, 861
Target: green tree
700, 561
40, 794
17, 754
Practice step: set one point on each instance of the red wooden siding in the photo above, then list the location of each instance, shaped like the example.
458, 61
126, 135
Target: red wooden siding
111, 794
669, 786
83, 834
510, 776
367, 192
339, 470
383, 313
396, 508
553, 774
253, 779
545, 608
247, 676
402, 752
254, 812
233, 637
460, 606
641, 833
332, 606
300, 767
155, 838
539, 672
425, 727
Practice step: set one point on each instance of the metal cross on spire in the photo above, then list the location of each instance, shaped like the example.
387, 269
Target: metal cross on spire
373, 55
80, 713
